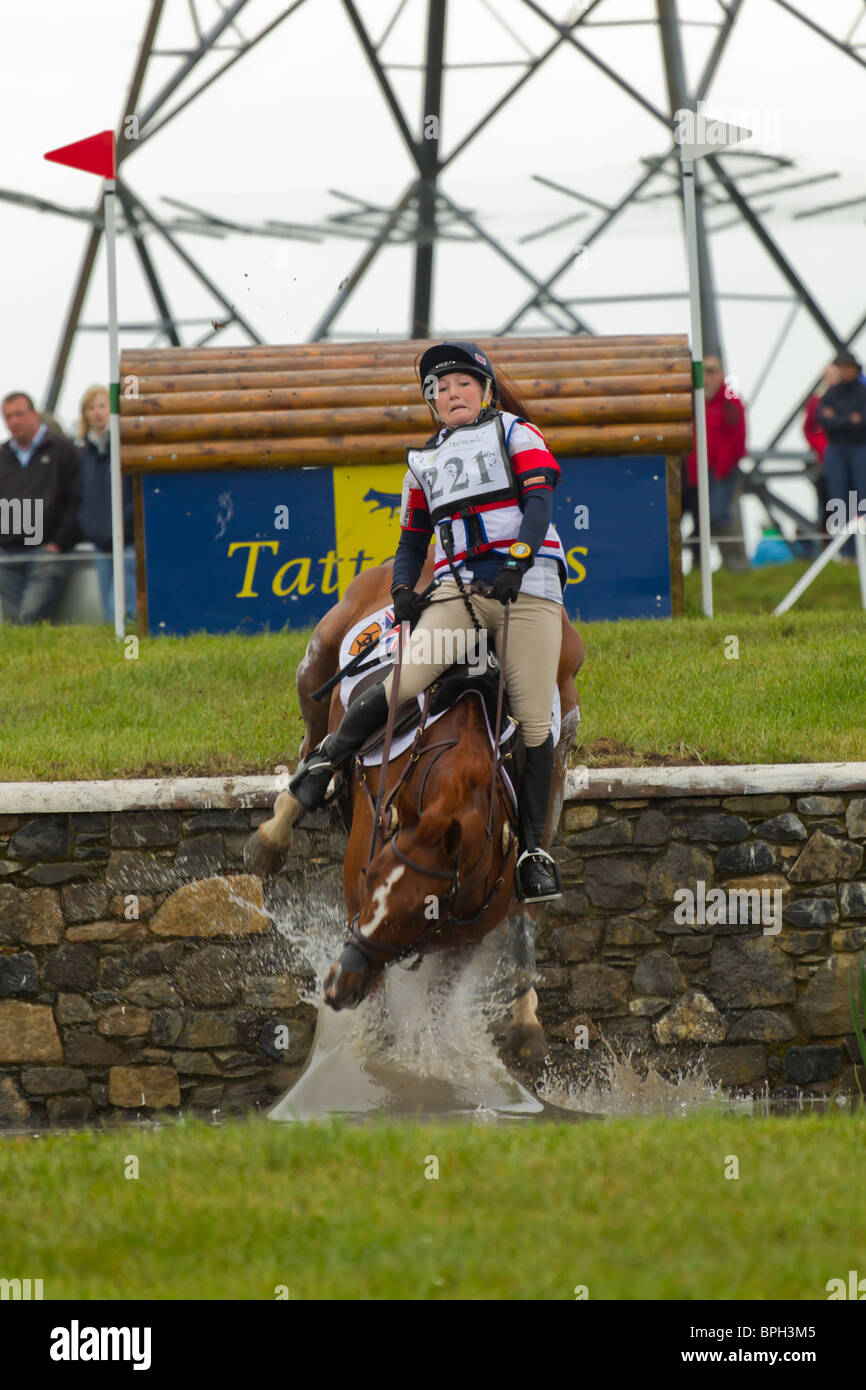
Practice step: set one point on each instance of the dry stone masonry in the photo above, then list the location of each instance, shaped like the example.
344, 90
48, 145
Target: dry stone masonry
141, 969
766, 1007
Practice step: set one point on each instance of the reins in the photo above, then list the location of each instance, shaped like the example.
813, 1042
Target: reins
389, 735
366, 946
497, 762
452, 875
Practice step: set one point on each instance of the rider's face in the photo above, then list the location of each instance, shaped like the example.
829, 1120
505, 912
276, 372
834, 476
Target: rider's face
459, 398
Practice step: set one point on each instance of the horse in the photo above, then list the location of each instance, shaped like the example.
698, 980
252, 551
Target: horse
439, 871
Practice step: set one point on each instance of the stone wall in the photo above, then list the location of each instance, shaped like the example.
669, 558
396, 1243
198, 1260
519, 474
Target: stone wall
768, 1010
140, 968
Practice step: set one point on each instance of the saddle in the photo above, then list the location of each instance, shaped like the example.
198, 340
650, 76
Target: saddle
445, 691
457, 680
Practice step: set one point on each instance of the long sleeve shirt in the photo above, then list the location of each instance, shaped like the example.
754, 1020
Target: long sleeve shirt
50, 477
536, 473
726, 437
839, 404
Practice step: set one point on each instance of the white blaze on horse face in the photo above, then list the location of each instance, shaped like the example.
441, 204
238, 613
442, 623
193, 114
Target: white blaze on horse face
380, 900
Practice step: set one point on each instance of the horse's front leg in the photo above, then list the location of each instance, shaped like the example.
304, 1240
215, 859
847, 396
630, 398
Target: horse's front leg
524, 1039
267, 847
351, 978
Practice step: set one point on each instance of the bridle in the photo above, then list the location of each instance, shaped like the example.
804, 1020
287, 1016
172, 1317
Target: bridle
382, 805
387, 953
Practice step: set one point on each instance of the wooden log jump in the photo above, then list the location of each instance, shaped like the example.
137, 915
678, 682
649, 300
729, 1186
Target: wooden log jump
331, 403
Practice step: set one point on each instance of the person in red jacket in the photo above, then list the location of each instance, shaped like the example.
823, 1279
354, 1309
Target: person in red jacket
726, 445
816, 438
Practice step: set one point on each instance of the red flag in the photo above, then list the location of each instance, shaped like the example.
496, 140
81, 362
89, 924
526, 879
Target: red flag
95, 155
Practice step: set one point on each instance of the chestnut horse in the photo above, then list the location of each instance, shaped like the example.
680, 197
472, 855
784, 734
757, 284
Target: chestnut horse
436, 878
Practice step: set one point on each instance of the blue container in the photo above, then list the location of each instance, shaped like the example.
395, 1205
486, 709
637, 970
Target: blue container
772, 549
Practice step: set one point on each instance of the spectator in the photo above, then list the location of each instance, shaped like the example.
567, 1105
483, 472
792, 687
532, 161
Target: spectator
39, 496
726, 445
817, 439
95, 515
842, 415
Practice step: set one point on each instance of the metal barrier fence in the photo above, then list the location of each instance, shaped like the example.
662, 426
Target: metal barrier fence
80, 602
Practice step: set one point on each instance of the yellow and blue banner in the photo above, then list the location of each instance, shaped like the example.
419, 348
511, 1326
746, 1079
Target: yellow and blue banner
253, 550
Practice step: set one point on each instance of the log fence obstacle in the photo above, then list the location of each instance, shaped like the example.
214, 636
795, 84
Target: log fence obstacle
323, 403
250, 413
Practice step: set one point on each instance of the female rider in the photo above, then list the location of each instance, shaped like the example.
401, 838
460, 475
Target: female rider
484, 484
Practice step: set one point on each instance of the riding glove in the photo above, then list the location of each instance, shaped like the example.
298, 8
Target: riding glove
506, 585
407, 605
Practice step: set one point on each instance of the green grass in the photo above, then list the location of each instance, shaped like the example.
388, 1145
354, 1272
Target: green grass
760, 590
633, 1208
796, 691
72, 706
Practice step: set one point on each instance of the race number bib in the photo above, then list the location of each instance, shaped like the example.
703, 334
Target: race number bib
470, 466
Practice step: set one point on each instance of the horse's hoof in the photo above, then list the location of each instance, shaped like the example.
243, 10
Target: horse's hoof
525, 1042
260, 858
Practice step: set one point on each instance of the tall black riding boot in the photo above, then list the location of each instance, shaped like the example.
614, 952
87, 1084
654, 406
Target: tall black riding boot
362, 718
537, 874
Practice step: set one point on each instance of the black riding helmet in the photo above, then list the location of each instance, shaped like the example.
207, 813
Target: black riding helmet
457, 356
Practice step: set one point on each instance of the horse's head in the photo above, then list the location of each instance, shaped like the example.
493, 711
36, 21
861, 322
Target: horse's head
399, 900
414, 877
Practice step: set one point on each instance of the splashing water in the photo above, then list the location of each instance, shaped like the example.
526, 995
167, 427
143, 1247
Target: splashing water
421, 1043
617, 1085
418, 1045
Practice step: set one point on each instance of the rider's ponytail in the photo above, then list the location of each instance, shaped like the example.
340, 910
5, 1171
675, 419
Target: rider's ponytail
508, 397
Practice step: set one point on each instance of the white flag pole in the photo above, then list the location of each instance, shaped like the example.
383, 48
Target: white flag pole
696, 137
688, 167
117, 538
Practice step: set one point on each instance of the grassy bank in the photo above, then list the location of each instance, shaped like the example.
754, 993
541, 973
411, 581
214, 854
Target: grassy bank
731, 689
789, 689
631, 1208
72, 705
762, 589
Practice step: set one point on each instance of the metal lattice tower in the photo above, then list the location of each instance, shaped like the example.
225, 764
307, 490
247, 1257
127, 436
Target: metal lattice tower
735, 183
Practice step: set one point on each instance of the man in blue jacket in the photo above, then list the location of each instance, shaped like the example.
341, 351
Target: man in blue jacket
842, 416
39, 496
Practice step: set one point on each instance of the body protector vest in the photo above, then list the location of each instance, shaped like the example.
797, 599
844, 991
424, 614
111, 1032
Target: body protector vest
473, 501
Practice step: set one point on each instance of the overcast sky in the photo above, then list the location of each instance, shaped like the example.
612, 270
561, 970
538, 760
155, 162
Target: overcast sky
301, 115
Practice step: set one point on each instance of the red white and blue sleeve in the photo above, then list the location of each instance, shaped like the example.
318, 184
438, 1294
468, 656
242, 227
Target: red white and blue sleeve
416, 528
536, 473
414, 515
535, 468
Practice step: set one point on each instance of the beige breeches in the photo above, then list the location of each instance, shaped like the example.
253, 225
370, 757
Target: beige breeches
444, 634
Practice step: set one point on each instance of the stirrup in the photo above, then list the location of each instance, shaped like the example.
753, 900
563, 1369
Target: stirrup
548, 867
309, 776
